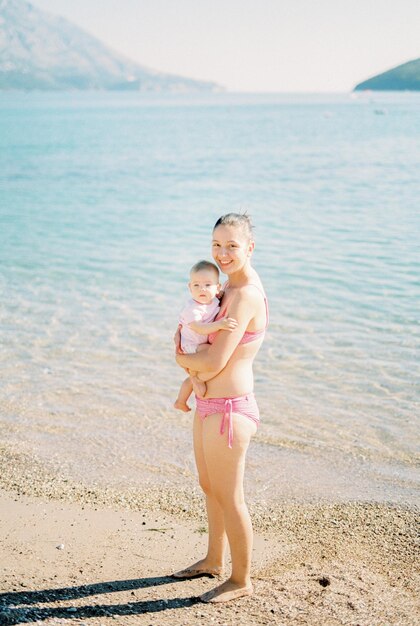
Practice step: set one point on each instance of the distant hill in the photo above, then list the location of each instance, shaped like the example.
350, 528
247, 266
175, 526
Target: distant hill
405, 77
42, 51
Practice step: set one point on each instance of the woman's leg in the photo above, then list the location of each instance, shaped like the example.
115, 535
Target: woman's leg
225, 470
213, 562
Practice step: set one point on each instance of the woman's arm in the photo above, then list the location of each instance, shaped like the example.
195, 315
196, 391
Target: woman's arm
242, 309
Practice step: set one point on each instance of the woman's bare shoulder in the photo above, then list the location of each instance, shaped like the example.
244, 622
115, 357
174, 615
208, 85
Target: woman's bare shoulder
249, 295
252, 290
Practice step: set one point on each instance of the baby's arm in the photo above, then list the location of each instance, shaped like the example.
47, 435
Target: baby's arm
224, 323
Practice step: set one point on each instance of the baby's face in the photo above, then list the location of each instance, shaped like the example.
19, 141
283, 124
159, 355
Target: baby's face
204, 286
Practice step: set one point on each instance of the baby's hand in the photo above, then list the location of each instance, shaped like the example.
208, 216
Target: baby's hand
227, 323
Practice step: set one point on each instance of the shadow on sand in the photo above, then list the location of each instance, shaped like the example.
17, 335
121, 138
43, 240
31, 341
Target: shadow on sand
18, 607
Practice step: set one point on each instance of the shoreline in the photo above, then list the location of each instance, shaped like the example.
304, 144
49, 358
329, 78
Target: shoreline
314, 563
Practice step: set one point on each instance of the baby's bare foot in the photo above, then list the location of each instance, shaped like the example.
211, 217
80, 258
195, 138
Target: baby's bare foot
199, 387
181, 406
227, 591
201, 568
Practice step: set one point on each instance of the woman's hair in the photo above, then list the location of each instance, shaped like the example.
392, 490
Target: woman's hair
204, 265
241, 220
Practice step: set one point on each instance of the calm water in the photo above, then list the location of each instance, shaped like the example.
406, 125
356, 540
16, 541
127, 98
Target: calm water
106, 200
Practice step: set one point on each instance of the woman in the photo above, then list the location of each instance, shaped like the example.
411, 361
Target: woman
227, 417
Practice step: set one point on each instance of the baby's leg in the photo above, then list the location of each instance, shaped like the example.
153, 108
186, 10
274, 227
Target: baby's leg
204, 376
183, 394
199, 386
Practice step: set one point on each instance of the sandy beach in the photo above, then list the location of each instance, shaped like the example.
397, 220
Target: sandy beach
71, 554
99, 499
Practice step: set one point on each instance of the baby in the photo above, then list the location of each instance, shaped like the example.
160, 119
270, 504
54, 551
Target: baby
196, 322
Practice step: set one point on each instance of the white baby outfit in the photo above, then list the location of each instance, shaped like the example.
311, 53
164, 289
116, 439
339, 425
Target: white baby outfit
196, 312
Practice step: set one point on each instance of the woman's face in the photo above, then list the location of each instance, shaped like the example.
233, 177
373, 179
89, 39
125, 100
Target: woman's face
231, 248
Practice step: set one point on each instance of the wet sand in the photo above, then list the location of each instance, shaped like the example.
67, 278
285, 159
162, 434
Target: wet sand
77, 554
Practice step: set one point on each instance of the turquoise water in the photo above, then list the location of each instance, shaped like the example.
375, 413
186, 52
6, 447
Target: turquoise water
106, 200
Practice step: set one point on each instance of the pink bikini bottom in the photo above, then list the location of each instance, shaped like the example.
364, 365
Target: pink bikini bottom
243, 405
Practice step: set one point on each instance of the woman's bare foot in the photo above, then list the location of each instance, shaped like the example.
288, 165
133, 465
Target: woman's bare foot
199, 387
227, 591
201, 568
181, 406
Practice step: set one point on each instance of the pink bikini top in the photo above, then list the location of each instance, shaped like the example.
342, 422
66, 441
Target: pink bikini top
249, 335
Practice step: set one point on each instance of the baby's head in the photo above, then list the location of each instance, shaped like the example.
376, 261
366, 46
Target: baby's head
204, 281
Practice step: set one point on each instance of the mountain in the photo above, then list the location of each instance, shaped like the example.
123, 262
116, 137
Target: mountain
41, 51
405, 77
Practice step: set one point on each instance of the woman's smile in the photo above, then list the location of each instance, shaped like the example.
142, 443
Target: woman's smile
230, 249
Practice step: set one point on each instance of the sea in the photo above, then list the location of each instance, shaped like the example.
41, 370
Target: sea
107, 199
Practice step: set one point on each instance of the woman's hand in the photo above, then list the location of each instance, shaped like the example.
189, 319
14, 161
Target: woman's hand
177, 341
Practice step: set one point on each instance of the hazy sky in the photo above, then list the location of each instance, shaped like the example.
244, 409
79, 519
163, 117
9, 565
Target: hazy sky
256, 45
